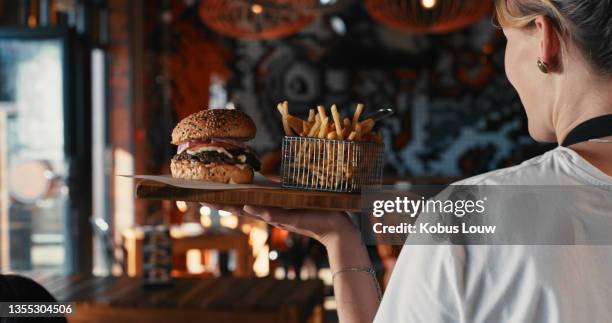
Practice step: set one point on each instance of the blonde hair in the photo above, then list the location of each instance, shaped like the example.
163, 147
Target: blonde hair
524, 12
587, 23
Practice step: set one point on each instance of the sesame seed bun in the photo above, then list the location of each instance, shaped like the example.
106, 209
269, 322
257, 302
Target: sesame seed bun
219, 173
214, 123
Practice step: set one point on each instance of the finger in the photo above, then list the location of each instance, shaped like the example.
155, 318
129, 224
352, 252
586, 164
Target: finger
266, 213
256, 212
245, 214
275, 216
264, 209
262, 216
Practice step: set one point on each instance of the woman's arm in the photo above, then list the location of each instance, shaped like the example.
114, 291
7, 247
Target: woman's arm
355, 288
357, 292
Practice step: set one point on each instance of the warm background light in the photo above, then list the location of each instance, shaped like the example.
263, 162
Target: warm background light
182, 206
206, 221
244, 19
229, 221
428, 4
256, 9
205, 218
194, 261
224, 213
258, 239
205, 211
428, 16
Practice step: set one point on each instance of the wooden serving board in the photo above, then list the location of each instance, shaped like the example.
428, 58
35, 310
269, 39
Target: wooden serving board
274, 197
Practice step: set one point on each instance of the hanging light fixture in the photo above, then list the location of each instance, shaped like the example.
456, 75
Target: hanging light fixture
428, 16
254, 19
312, 6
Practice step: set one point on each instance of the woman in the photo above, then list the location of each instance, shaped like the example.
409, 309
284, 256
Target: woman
559, 59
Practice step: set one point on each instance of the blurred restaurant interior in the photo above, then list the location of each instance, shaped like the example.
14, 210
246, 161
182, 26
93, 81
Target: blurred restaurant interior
91, 90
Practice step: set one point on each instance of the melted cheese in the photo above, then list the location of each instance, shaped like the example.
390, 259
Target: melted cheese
208, 148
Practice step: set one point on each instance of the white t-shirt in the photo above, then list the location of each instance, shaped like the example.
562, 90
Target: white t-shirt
510, 283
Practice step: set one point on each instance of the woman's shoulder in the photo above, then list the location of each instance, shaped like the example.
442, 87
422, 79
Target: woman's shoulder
540, 170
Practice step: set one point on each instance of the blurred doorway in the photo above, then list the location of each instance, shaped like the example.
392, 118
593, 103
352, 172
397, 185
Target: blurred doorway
45, 185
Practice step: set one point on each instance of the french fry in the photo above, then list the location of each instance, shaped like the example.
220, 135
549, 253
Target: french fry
315, 128
331, 135
346, 122
322, 113
337, 121
295, 123
311, 115
323, 129
358, 131
352, 135
305, 128
366, 126
357, 114
283, 108
331, 127
346, 131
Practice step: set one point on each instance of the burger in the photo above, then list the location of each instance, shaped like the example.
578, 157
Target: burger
211, 147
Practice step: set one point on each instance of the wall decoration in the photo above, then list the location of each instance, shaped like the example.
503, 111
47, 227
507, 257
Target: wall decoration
457, 115
193, 62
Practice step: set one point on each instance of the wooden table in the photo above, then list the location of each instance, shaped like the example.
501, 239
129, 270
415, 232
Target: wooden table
225, 240
227, 299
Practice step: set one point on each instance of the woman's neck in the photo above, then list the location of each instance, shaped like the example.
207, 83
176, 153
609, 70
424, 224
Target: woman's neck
580, 107
593, 101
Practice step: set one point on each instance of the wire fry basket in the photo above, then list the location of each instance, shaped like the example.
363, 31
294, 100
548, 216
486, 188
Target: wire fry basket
330, 165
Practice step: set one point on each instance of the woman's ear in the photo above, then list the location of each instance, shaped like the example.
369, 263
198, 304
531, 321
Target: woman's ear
550, 45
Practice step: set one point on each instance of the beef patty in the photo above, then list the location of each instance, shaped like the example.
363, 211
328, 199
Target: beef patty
209, 157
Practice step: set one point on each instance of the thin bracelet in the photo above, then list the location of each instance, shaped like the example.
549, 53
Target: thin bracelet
368, 270
607, 141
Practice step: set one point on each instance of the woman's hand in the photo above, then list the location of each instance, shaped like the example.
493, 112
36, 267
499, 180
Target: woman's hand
325, 227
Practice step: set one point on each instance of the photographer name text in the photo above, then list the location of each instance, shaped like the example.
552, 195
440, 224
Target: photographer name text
427, 228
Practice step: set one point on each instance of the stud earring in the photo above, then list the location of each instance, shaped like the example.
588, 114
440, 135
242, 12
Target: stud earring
543, 66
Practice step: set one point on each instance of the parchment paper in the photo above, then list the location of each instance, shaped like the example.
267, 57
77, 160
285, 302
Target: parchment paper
259, 181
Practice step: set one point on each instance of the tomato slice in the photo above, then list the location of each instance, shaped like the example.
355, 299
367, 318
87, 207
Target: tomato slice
215, 144
233, 142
